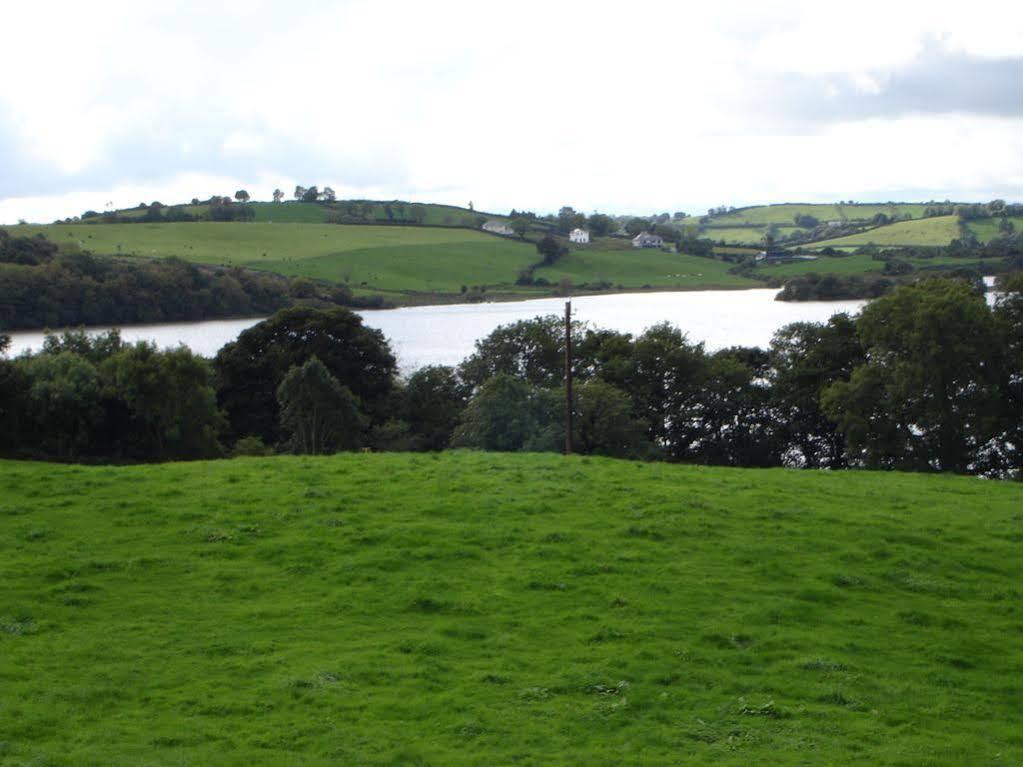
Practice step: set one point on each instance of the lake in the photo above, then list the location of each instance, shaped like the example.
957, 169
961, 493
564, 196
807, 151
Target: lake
445, 335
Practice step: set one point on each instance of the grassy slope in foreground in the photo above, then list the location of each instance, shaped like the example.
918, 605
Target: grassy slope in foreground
490, 609
383, 257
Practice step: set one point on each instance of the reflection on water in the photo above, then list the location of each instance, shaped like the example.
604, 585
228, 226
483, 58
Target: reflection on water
445, 335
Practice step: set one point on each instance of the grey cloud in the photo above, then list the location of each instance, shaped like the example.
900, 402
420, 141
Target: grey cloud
936, 82
148, 156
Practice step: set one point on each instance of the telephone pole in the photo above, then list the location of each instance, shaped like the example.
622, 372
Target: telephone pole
568, 377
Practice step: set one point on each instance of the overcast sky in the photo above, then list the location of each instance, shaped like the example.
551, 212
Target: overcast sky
618, 107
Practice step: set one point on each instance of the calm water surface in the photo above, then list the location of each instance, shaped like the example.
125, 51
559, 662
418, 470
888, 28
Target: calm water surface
445, 335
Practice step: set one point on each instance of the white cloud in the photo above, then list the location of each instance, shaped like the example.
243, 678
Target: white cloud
636, 106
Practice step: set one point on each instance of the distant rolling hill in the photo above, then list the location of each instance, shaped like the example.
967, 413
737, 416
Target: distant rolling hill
940, 230
384, 258
750, 225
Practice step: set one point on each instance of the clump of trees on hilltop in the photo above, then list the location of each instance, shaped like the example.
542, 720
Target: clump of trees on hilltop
927, 378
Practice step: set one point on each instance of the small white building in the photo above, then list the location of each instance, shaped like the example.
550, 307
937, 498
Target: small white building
647, 240
498, 227
579, 236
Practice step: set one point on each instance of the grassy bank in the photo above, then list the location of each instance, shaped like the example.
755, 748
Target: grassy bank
485, 609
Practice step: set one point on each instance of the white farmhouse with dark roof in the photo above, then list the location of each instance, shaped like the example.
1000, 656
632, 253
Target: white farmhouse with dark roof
647, 240
498, 227
579, 236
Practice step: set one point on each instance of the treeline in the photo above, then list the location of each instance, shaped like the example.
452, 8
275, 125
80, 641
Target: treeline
927, 378
842, 287
216, 209
43, 286
834, 287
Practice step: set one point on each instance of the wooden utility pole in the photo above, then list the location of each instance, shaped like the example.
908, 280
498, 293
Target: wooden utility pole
568, 377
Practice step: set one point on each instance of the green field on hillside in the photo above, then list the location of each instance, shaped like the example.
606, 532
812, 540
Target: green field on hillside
784, 213
495, 609
939, 230
986, 229
735, 235
638, 267
863, 264
295, 212
384, 257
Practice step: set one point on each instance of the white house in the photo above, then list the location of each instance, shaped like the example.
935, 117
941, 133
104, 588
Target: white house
647, 240
579, 236
498, 227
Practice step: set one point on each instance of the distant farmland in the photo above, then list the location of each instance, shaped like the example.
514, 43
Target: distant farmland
382, 257
940, 230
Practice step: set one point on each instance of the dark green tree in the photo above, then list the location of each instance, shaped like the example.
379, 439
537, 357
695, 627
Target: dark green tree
170, 398
13, 400
927, 397
250, 369
318, 415
432, 403
635, 226
1008, 313
604, 424
520, 226
508, 414
64, 397
806, 358
662, 373
550, 249
600, 225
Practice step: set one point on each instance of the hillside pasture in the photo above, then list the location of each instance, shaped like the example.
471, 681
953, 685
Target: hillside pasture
986, 229
859, 263
385, 257
481, 609
784, 213
939, 230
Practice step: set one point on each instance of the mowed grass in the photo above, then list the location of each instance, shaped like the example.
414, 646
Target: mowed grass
638, 267
489, 609
384, 257
938, 230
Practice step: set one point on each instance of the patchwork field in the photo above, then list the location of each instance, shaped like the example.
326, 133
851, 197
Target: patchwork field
939, 230
494, 609
784, 213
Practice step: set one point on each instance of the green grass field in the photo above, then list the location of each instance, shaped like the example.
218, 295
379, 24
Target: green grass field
639, 267
383, 257
295, 212
863, 264
495, 609
784, 213
986, 229
939, 230
735, 235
